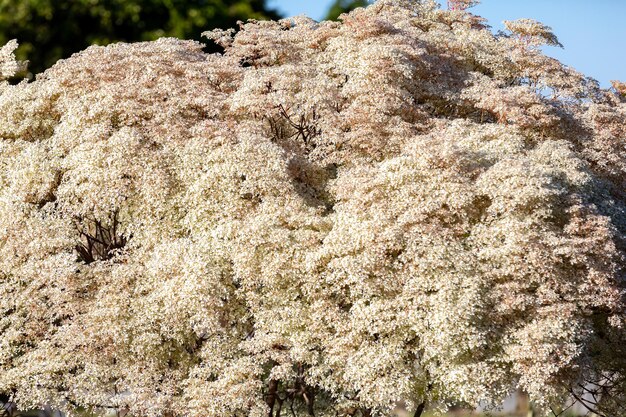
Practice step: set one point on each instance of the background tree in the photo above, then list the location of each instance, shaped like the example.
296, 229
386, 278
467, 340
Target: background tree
344, 6
328, 219
49, 30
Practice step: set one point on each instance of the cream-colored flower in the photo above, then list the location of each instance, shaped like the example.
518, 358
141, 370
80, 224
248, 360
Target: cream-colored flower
329, 217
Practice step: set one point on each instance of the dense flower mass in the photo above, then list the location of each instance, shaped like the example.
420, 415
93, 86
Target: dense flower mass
326, 219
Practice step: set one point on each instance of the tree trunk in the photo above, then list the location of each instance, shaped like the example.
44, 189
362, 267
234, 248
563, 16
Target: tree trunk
420, 409
271, 396
523, 402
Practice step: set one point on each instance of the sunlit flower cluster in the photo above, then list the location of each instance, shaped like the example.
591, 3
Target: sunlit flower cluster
328, 218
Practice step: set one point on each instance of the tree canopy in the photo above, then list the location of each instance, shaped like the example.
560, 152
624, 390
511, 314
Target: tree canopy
49, 30
328, 219
344, 6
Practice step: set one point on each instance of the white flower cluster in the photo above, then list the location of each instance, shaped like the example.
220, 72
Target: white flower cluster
8, 65
325, 219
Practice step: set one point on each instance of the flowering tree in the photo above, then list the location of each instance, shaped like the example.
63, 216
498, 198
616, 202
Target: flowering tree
461, 4
328, 219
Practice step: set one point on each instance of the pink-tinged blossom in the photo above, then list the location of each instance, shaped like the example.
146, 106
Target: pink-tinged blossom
332, 218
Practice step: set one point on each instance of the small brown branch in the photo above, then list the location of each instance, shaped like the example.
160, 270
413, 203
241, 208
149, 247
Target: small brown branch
585, 404
98, 242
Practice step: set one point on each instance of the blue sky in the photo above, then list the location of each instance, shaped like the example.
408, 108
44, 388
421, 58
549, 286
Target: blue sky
593, 33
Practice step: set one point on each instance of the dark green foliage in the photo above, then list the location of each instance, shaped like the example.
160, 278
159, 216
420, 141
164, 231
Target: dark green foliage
52, 29
344, 6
